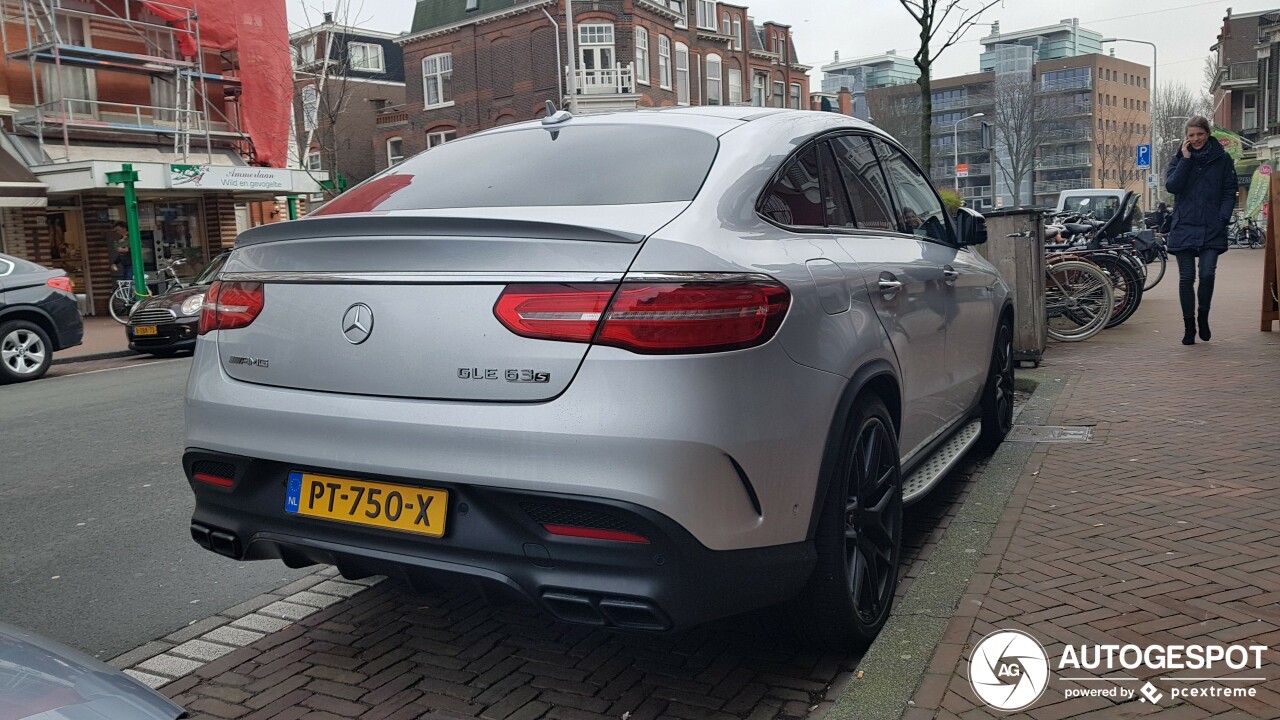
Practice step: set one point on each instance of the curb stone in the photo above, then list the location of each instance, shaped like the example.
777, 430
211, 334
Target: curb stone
96, 356
182, 652
898, 660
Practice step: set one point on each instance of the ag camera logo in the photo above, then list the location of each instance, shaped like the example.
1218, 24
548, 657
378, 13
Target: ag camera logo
1009, 670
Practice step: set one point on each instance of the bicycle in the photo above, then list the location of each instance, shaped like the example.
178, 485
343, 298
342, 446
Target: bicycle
1078, 298
124, 297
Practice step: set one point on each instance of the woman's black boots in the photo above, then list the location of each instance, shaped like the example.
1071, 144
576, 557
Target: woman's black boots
1187, 297
1206, 295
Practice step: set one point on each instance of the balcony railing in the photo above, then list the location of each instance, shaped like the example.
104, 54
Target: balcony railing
617, 80
971, 146
972, 191
975, 170
1056, 162
1067, 109
1056, 136
1242, 71
1054, 186
1081, 83
961, 102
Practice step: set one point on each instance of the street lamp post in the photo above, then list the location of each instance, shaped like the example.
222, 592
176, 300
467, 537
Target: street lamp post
1155, 63
955, 149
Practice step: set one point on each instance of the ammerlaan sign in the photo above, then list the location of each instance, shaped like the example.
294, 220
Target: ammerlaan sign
223, 177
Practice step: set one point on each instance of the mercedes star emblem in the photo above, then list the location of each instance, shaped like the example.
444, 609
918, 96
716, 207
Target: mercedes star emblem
357, 323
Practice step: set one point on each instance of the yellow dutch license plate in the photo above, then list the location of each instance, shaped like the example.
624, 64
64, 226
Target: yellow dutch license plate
382, 505
145, 330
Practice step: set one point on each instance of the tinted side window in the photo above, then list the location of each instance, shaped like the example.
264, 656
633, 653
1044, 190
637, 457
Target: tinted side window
872, 207
834, 196
796, 198
919, 210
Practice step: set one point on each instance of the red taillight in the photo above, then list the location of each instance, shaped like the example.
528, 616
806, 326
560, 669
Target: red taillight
649, 318
60, 283
214, 479
595, 533
230, 305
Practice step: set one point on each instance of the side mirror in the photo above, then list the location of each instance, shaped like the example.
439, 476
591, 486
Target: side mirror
971, 226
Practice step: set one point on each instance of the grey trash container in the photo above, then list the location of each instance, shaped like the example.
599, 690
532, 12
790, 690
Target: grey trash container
1020, 259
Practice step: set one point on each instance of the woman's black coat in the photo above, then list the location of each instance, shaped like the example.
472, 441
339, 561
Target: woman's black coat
1205, 186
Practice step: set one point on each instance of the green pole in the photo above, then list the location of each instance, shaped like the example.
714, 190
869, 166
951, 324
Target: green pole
293, 207
127, 177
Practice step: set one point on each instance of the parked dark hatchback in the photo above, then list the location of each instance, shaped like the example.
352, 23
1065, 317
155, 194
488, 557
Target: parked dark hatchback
166, 324
38, 317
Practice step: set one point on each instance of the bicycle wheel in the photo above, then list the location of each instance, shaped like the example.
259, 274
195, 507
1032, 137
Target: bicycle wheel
1078, 300
1155, 270
1126, 286
120, 303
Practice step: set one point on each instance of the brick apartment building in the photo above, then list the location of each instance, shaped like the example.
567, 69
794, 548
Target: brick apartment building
476, 64
344, 77
1097, 111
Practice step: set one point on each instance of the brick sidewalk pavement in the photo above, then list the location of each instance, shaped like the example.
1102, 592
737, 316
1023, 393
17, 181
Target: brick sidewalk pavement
1164, 529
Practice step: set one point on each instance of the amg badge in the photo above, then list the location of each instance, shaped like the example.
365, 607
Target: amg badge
240, 360
512, 376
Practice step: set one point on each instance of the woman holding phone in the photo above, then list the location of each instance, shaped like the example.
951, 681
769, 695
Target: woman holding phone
1202, 178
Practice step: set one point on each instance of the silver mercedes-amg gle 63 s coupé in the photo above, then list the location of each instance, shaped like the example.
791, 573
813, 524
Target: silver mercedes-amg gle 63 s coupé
644, 369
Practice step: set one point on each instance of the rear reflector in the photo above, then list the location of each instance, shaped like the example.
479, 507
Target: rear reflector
214, 479
230, 305
60, 283
649, 318
595, 534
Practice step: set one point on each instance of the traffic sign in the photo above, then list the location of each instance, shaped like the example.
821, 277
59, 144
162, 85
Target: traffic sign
962, 170
1151, 181
1144, 156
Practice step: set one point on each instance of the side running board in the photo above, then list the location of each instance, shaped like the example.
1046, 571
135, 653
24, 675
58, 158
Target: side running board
940, 463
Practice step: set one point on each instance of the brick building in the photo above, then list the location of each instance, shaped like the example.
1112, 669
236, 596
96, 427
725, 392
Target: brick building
126, 85
344, 77
476, 64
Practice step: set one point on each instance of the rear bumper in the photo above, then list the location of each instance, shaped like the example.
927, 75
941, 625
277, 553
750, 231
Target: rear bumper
496, 536
65, 312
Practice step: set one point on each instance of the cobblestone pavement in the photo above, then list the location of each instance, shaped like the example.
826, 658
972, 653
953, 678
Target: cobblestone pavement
388, 653
1161, 530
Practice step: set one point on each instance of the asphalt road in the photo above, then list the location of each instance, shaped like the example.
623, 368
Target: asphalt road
94, 511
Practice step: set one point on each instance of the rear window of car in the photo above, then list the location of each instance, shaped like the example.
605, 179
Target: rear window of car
585, 165
1088, 203
10, 265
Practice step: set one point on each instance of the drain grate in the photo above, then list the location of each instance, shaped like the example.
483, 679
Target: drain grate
1051, 433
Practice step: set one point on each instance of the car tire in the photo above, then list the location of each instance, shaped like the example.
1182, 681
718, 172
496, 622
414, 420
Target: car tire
21, 343
858, 538
997, 394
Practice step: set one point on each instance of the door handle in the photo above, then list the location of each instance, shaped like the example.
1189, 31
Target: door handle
950, 274
889, 284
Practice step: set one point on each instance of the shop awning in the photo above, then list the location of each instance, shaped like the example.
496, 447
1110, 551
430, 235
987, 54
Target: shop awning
18, 185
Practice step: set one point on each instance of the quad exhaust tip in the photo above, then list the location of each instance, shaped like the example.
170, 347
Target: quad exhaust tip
622, 613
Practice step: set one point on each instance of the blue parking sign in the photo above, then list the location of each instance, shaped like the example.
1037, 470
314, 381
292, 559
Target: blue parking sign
1144, 156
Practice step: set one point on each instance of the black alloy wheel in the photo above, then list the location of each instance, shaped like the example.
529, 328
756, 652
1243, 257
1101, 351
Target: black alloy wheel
997, 396
873, 522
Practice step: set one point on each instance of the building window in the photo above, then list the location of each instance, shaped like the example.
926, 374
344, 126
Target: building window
307, 51
313, 161
664, 62
1249, 117
437, 80
795, 97
737, 33
596, 57
310, 108
707, 14
779, 94
782, 48
365, 56
679, 7
682, 73
642, 55
715, 80
757, 90
395, 151
726, 25
435, 139
735, 86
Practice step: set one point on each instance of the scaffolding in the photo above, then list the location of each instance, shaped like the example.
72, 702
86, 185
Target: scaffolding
51, 42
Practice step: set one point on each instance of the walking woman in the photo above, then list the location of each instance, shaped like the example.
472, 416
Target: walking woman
1202, 178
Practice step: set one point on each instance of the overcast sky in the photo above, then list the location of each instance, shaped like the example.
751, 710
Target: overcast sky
1183, 29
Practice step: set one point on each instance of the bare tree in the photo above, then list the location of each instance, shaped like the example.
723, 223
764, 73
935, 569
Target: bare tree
324, 87
1020, 114
931, 16
1116, 149
897, 113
